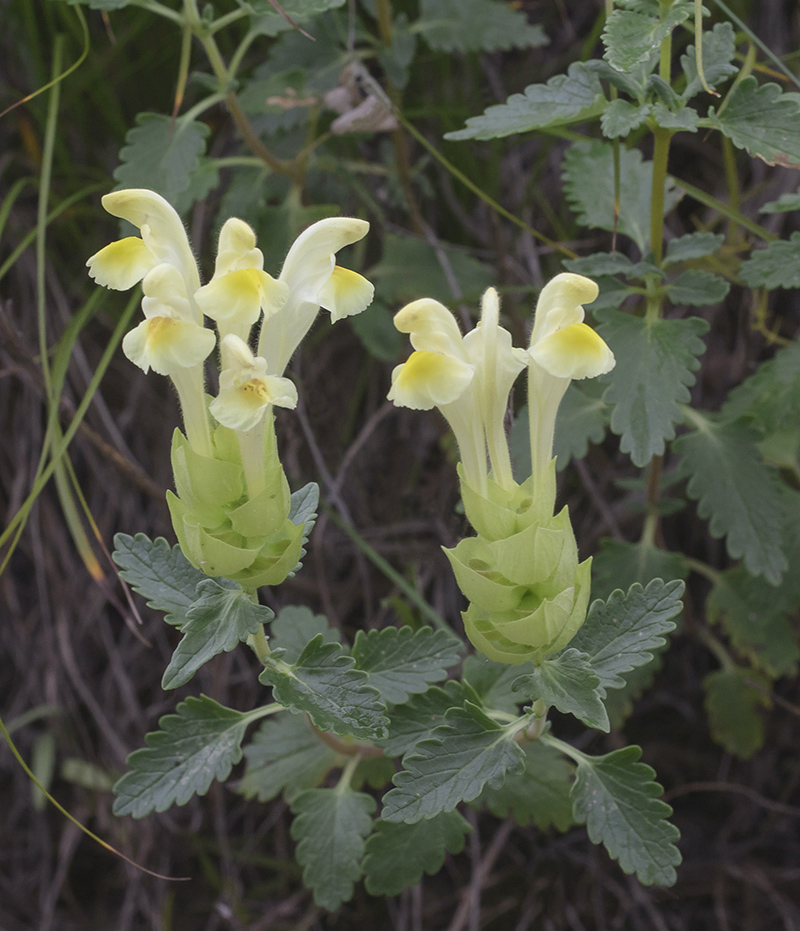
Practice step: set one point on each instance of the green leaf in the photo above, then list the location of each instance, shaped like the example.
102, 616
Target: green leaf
402, 662
375, 329
618, 564
692, 246
398, 854
619, 702
732, 707
101, 4
786, 203
621, 117
718, 50
271, 23
655, 365
330, 826
770, 397
413, 721
539, 795
453, 766
323, 684
697, 288
159, 572
303, 510
492, 683
686, 119
569, 683
286, 756
294, 627
400, 253
777, 266
582, 419
222, 616
198, 744
476, 25
566, 98
617, 798
631, 37
161, 154
589, 189
763, 120
736, 491
601, 263
619, 634
756, 617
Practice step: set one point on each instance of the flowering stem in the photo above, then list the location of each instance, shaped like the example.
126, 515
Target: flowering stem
252, 447
191, 393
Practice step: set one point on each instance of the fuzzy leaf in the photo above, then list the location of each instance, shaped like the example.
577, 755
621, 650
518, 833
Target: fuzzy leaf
697, 288
161, 154
330, 826
398, 854
294, 627
764, 120
465, 754
686, 119
303, 510
692, 246
718, 50
777, 266
198, 744
492, 683
732, 707
617, 798
565, 98
621, 117
655, 364
414, 721
402, 662
569, 683
736, 491
271, 23
476, 25
286, 756
631, 37
589, 189
618, 564
539, 795
323, 684
160, 573
221, 616
619, 634
786, 203
770, 397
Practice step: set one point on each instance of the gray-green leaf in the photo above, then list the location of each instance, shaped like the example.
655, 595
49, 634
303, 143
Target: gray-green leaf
631, 37
697, 288
692, 246
569, 683
476, 25
733, 706
777, 266
718, 51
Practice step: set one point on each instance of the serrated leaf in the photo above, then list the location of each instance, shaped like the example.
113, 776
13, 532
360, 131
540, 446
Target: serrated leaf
569, 683
566, 98
221, 617
401, 253
736, 491
286, 756
692, 246
589, 188
271, 23
621, 117
303, 510
601, 263
777, 266
195, 746
402, 662
656, 360
617, 798
492, 683
323, 684
476, 25
539, 795
732, 708
398, 854
631, 37
686, 118
330, 826
159, 572
619, 702
294, 627
762, 119
413, 721
770, 397
718, 50
697, 288
618, 564
753, 614
161, 154
786, 203
620, 633
467, 752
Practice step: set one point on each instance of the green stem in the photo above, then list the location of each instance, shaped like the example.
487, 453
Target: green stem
726, 210
258, 642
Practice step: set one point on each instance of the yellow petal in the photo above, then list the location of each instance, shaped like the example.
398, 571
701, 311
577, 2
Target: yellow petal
345, 293
241, 407
429, 379
310, 260
432, 327
165, 344
560, 303
240, 296
575, 351
237, 248
121, 264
